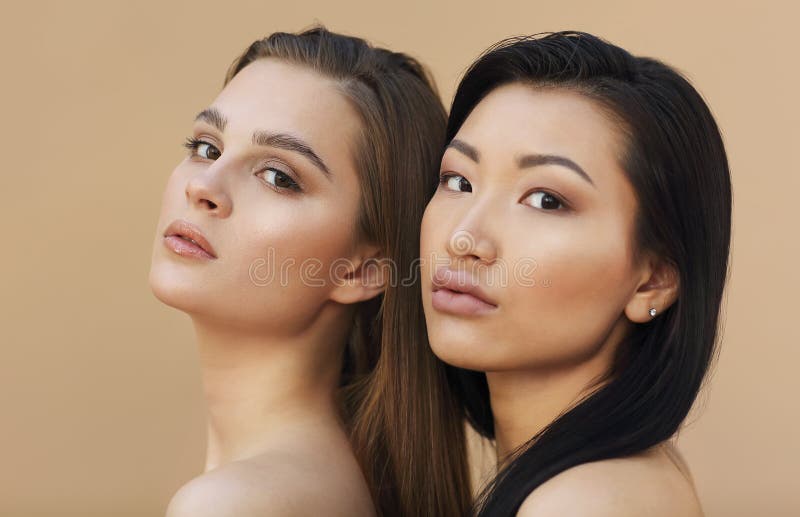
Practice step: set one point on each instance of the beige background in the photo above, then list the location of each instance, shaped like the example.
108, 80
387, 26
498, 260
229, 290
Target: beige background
99, 382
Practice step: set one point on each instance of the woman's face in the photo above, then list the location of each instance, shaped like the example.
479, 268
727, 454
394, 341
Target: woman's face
270, 181
534, 215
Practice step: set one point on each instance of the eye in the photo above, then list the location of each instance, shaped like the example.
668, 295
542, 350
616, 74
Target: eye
202, 149
455, 182
280, 180
544, 201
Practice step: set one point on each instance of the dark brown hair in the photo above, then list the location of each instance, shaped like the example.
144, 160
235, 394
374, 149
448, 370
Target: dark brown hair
406, 429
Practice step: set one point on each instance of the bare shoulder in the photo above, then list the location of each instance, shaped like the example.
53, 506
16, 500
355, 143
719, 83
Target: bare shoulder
645, 484
273, 485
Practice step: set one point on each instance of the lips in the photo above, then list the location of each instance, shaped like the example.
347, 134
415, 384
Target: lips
190, 233
456, 292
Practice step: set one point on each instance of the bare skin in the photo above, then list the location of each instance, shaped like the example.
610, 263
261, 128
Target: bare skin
270, 347
547, 334
650, 483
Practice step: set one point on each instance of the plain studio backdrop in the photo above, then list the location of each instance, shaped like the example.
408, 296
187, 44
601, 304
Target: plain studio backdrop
101, 396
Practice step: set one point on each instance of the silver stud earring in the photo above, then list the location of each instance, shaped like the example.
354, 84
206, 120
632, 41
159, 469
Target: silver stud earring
652, 312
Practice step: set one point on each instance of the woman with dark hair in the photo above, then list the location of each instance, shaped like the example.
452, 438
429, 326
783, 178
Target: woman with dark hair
574, 260
280, 235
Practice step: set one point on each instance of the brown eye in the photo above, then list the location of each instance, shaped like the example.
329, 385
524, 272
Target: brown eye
201, 149
455, 182
213, 153
280, 180
207, 151
544, 200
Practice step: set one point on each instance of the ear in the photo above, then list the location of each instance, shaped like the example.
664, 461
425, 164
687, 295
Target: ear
658, 289
360, 278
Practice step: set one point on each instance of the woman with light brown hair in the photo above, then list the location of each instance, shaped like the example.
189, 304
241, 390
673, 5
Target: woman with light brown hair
284, 235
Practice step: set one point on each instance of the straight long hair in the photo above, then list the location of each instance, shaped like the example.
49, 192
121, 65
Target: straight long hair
404, 423
675, 160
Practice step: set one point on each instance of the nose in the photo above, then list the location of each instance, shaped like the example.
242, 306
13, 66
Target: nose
472, 238
207, 192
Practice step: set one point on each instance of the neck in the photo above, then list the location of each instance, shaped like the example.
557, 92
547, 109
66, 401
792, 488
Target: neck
524, 402
261, 389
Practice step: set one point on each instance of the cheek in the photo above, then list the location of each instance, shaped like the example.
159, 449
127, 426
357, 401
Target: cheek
434, 233
296, 245
565, 307
163, 273
173, 281
443, 339
274, 277
426, 234
173, 197
576, 264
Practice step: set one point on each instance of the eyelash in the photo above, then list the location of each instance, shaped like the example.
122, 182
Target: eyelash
192, 144
445, 177
295, 187
564, 205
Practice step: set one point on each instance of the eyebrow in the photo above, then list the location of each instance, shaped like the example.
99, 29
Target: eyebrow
525, 161
534, 160
465, 149
280, 140
290, 143
213, 117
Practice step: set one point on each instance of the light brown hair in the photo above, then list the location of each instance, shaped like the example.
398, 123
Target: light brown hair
405, 427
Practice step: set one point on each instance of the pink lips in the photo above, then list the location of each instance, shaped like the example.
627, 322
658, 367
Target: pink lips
187, 240
455, 292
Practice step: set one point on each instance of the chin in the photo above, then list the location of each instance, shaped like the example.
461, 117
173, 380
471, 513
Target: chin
174, 291
458, 348
479, 351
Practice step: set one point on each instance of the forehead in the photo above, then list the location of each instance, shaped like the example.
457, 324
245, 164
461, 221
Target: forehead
274, 95
517, 119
